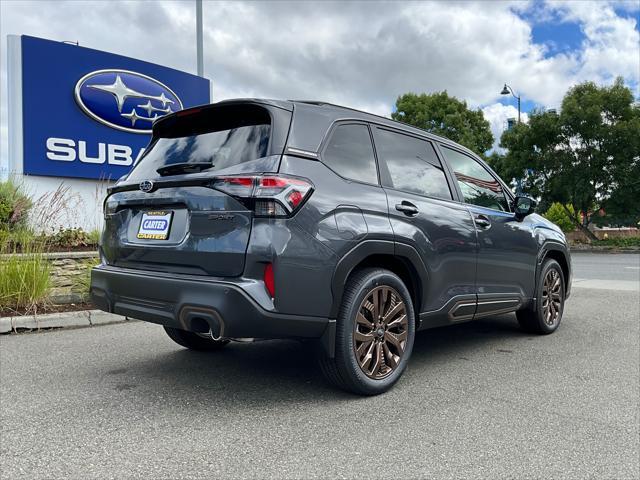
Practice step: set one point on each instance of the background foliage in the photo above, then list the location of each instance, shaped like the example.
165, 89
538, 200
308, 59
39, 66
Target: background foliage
446, 116
586, 157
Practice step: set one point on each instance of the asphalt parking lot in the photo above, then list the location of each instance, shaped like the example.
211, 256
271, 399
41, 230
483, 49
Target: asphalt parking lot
478, 400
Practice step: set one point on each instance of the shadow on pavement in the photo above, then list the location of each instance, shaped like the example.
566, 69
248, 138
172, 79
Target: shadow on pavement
282, 371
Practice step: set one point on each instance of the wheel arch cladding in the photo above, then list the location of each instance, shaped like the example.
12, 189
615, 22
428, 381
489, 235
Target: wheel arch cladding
399, 265
560, 257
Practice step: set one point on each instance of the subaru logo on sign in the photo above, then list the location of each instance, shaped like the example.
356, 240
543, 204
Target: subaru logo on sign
146, 186
125, 100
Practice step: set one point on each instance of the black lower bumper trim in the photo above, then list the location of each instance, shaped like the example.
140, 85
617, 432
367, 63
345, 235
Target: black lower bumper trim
184, 302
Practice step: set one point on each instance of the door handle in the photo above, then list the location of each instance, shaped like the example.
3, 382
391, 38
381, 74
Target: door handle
482, 221
407, 208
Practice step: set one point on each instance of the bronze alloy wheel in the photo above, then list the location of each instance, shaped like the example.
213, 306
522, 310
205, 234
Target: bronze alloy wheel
552, 297
380, 332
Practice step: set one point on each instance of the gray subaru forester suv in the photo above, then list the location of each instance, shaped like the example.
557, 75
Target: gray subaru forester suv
258, 219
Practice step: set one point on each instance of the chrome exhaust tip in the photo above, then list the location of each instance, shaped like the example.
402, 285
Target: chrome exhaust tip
198, 318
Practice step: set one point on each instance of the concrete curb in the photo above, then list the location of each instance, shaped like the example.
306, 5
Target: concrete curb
603, 249
83, 318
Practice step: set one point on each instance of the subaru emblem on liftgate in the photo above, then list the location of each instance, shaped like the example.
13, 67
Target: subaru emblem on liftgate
125, 100
146, 186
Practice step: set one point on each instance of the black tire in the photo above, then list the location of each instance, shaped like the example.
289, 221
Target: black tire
194, 341
345, 371
546, 316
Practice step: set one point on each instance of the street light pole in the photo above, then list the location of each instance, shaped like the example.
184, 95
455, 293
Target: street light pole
506, 90
199, 38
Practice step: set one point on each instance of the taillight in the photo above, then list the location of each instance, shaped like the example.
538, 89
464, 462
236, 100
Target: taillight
235, 186
267, 195
269, 282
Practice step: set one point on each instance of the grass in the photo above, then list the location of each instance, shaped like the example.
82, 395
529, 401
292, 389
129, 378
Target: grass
94, 237
25, 270
80, 283
24, 279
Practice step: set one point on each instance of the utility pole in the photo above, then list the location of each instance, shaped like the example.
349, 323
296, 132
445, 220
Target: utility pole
199, 38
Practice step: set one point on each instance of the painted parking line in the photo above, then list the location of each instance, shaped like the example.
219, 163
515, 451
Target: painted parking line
627, 285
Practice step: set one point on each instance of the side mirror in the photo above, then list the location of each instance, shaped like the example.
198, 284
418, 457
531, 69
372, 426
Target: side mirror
523, 206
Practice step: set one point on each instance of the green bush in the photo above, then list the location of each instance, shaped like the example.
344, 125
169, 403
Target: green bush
14, 206
558, 215
619, 242
71, 238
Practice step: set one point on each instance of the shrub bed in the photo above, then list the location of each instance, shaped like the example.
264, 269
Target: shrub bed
31, 279
620, 242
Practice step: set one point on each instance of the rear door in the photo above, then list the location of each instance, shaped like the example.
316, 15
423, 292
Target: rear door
507, 248
425, 217
181, 208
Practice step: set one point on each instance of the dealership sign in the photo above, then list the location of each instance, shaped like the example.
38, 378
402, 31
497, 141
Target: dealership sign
87, 113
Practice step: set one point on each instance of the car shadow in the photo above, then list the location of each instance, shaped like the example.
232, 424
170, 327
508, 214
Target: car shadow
284, 371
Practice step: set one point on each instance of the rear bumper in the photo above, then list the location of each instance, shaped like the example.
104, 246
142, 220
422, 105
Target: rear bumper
184, 301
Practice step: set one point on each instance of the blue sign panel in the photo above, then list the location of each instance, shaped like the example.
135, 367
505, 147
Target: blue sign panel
88, 114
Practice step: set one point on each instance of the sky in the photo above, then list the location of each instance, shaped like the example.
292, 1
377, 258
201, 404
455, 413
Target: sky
358, 54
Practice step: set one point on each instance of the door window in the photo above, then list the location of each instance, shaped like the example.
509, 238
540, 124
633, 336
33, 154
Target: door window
349, 153
478, 186
412, 163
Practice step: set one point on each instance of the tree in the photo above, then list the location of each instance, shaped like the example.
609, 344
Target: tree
447, 116
585, 157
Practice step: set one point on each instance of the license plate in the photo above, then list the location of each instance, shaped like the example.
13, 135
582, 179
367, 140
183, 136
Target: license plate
155, 225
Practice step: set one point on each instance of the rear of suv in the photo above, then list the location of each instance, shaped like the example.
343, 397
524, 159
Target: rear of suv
259, 219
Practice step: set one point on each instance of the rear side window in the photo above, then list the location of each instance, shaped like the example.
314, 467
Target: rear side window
349, 153
478, 186
412, 163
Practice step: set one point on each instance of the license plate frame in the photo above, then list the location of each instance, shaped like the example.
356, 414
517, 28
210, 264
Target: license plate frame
155, 225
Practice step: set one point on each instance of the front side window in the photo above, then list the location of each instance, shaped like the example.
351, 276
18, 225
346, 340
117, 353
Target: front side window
412, 163
478, 186
349, 153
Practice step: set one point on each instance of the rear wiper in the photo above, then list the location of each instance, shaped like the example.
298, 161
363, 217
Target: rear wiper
185, 167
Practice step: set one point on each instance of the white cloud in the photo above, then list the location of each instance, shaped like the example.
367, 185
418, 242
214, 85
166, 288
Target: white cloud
497, 115
359, 54
611, 46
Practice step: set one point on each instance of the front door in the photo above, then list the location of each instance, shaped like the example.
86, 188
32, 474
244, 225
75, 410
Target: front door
507, 248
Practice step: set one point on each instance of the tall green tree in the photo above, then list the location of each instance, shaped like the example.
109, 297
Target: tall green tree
588, 156
447, 116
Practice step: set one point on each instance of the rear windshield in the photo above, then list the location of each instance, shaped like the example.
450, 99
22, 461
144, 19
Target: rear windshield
205, 141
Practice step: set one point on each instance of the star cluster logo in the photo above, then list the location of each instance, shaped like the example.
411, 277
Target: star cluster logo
125, 100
